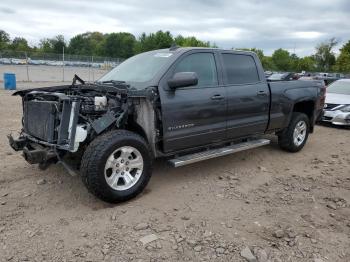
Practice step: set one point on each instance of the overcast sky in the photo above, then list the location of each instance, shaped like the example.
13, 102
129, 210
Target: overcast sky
265, 24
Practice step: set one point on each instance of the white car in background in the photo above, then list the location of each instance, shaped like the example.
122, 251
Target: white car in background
337, 106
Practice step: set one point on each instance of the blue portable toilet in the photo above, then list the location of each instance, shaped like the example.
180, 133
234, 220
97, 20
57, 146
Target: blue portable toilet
10, 81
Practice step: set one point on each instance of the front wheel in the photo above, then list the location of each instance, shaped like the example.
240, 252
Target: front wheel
294, 137
117, 166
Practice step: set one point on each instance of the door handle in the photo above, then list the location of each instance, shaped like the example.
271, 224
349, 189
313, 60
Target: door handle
262, 93
217, 97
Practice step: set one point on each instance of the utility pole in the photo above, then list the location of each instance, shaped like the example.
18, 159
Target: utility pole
63, 63
87, 58
93, 72
27, 66
294, 48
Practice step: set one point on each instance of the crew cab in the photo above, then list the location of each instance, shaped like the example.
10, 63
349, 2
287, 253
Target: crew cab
181, 104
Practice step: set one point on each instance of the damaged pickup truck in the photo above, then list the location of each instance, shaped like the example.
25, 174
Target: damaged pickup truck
182, 104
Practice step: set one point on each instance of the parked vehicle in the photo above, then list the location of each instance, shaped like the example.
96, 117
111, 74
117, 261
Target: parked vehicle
306, 78
329, 78
5, 61
183, 104
16, 61
337, 106
283, 77
268, 73
311, 78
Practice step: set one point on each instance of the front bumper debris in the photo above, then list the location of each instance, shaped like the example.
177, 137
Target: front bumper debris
33, 153
18, 144
37, 156
36, 153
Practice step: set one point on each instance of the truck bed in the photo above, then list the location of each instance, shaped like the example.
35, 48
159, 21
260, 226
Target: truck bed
284, 94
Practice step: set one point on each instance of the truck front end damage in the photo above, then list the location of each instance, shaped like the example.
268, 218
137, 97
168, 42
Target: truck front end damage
63, 120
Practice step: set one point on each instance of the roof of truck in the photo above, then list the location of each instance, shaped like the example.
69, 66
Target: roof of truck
177, 49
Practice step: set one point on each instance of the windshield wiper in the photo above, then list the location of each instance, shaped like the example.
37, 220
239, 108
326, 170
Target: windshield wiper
77, 78
117, 82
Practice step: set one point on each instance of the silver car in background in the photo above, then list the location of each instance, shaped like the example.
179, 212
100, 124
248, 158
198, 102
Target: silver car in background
337, 106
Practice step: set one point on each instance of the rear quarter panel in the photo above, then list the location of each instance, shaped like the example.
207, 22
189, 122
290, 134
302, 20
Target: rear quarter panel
284, 95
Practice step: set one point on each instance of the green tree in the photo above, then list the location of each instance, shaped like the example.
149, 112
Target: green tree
190, 41
306, 63
294, 61
154, 41
324, 56
343, 61
58, 43
52, 45
267, 63
282, 59
88, 43
4, 39
45, 45
118, 45
19, 44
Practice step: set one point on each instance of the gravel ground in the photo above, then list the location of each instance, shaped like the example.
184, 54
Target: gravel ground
259, 205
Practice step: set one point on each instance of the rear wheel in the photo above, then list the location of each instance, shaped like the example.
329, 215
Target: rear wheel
117, 166
294, 137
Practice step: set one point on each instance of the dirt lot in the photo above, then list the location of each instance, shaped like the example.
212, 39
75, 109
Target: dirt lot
264, 203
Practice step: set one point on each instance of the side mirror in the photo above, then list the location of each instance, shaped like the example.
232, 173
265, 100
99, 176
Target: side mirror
183, 79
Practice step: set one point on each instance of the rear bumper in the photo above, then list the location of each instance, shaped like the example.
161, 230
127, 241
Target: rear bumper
33, 153
336, 117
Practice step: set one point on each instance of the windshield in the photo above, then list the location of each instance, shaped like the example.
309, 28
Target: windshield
139, 68
339, 87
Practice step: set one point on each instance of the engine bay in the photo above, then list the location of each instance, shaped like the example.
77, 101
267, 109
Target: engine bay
64, 119
65, 116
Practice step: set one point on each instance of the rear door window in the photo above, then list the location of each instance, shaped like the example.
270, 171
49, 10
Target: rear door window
239, 69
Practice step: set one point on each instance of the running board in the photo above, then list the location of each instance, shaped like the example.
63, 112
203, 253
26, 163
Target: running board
196, 157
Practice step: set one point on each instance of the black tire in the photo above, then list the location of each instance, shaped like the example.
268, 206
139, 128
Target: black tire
285, 138
95, 158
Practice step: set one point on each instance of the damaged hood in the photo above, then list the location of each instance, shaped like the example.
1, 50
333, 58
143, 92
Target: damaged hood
121, 89
95, 87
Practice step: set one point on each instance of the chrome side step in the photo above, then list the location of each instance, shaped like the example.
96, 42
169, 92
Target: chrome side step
196, 157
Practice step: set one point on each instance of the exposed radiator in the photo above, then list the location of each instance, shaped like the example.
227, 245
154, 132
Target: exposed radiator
39, 119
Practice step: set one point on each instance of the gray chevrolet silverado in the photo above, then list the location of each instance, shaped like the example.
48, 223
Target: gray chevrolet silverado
182, 104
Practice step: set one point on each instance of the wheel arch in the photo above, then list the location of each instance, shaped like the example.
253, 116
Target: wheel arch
135, 127
143, 123
308, 108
